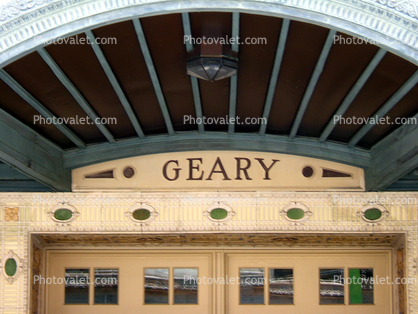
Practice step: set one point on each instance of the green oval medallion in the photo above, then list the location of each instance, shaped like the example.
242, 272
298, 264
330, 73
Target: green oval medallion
373, 214
141, 214
218, 213
10, 267
295, 213
63, 214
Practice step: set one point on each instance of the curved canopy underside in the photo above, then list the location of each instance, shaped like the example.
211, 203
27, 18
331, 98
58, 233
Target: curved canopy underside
302, 89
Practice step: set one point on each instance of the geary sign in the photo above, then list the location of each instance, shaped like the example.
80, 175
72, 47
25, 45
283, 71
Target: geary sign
219, 170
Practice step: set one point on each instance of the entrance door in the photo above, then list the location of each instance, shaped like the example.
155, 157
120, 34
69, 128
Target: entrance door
318, 282
219, 281
128, 282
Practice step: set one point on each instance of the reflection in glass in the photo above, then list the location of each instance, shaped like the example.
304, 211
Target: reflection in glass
331, 286
76, 286
185, 285
361, 285
280, 286
156, 285
251, 285
106, 286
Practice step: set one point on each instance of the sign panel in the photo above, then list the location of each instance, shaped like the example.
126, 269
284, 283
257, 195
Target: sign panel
219, 170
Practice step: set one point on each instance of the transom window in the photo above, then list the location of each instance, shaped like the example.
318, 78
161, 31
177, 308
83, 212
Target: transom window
77, 285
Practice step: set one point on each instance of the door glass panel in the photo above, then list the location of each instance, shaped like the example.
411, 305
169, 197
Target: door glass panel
251, 285
106, 286
76, 286
280, 286
361, 285
331, 286
185, 285
156, 285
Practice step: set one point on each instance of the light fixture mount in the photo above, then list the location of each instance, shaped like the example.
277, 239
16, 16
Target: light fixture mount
212, 62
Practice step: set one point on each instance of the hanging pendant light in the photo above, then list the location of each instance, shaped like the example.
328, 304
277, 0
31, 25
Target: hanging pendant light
212, 61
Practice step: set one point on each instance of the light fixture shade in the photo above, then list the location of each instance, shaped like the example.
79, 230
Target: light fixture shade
212, 68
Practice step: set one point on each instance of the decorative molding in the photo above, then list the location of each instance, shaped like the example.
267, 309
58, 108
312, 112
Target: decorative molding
409, 7
182, 212
382, 240
229, 211
19, 267
66, 222
383, 212
293, 205
152, 216
16, 7
11, 214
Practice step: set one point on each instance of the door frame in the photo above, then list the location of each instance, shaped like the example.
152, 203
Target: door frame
40, 251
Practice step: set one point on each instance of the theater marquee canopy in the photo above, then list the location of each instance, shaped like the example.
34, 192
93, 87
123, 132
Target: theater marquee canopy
308, 89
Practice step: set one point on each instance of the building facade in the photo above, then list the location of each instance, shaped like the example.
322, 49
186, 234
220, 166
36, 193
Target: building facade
227, 220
